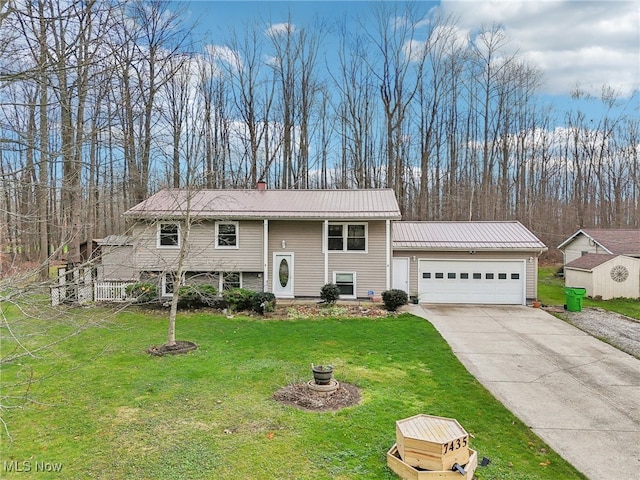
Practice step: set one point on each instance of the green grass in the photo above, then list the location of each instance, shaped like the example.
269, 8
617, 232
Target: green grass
105, 409
551, 292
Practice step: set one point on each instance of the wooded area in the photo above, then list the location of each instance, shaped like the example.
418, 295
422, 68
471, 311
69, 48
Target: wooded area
103, 103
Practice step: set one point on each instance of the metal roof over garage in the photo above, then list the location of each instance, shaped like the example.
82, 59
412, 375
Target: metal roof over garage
451, 236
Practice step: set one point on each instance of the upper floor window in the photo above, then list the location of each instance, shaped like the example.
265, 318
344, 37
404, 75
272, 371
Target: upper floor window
169, 235
226, 234
347, 237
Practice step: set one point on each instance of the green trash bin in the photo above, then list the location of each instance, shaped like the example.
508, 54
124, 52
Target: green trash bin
574, 297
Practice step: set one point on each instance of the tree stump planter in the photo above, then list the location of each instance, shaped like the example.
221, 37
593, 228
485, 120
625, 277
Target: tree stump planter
181, 346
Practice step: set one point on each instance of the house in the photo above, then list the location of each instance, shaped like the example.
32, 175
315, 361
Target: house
292, 242
289, 242
466, 262
605, 262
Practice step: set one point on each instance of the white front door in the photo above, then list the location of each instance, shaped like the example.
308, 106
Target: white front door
283, 275
401, 273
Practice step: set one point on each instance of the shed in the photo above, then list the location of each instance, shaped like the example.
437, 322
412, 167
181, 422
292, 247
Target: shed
605, 275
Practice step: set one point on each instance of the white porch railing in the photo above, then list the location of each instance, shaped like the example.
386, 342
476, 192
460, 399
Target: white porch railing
110, 291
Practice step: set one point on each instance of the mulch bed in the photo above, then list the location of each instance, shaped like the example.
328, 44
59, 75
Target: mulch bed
299, 395
321, 310
181, 346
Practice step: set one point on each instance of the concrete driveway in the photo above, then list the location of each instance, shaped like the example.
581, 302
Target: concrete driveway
578, 394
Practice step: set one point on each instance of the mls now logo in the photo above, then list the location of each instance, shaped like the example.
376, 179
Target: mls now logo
29, 466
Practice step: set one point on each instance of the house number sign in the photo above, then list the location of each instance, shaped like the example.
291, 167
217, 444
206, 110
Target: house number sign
455, 445
619, 273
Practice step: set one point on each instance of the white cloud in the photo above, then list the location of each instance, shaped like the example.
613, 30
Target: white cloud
227, 55
277, 29
591, 43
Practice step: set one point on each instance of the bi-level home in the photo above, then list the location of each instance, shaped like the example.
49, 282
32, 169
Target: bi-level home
292, 242
289, 242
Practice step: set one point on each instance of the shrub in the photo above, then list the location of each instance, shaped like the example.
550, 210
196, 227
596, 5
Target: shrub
142, 292
238, 299
262, 302
330, 293
194, 296
394, 298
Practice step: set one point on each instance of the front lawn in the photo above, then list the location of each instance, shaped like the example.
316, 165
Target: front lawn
105, 409
551, 292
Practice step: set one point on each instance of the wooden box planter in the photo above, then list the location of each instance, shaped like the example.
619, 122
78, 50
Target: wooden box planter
408, 472
432, 443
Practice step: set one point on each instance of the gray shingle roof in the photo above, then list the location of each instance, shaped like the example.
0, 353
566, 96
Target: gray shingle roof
509, 235
620, 242
616, 241
590, 261
270, 204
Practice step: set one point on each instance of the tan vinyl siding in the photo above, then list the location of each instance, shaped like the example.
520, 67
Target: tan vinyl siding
116, 263
531, 267
304, 240
370, 267
201, 252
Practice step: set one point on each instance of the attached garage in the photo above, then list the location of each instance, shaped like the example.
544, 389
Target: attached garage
467, 262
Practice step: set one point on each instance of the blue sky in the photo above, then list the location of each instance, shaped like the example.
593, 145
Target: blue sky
575, 42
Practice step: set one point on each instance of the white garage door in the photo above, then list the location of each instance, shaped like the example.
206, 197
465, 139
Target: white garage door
472, 281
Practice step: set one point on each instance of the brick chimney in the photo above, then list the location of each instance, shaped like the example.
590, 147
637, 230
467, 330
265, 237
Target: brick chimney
261, 185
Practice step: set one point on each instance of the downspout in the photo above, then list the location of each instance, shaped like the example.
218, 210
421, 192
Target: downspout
388, 256
265, 255
325, 249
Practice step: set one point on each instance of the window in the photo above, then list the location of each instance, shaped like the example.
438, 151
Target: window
168, 235
168, 281
477, 276
426, 275
231, 280
464, 276
515, 276
347, 237
226, 234
489, 276
346, 282
451, 276
439, 275
502, 276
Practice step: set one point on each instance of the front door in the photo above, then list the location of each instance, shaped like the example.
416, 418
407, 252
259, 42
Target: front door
401, 273
283, 275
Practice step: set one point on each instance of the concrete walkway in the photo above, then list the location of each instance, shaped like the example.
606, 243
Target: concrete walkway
578, 394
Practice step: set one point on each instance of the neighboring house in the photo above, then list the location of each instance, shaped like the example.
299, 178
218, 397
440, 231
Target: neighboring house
292, 242
466, 262
605, 262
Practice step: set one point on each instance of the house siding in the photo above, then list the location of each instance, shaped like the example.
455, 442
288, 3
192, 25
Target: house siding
201, 254
304, 240
370, 267
531, 266
580, 244
116, 264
